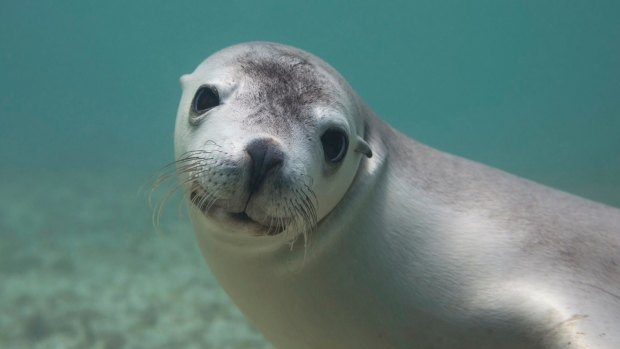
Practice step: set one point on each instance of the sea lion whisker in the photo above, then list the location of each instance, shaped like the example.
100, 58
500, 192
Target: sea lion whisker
160, 206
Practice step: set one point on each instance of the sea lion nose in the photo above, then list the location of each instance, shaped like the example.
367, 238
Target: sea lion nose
265, 155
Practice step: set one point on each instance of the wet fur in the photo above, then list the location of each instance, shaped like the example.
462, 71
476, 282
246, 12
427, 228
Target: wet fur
424, 249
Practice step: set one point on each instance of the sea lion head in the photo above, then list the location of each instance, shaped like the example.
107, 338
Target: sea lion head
268, 139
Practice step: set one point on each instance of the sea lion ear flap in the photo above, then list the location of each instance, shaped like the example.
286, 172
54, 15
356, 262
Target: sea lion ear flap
184, 79
363, 147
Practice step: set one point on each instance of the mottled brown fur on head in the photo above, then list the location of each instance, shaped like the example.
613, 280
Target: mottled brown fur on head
284, 89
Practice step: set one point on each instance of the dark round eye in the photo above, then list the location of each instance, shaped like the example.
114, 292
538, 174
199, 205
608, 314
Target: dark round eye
206, 98
335, 145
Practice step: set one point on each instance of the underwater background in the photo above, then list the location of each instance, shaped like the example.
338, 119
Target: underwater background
88, 98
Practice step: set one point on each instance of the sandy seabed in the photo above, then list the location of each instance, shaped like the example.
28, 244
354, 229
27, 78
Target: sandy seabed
82, 266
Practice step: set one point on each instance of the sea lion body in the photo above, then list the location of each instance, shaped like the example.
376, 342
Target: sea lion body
422, 249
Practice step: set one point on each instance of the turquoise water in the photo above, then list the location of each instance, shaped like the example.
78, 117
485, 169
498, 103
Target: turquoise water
88, 97
530, 87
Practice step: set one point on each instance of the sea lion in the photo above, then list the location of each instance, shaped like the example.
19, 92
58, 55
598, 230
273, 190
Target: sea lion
330, 229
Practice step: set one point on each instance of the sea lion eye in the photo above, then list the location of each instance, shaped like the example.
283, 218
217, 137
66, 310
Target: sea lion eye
206, 98
335, 143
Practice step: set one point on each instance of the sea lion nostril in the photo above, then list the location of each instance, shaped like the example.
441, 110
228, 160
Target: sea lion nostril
265, 155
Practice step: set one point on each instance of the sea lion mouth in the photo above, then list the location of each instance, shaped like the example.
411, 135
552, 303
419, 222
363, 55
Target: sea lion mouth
208, 206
